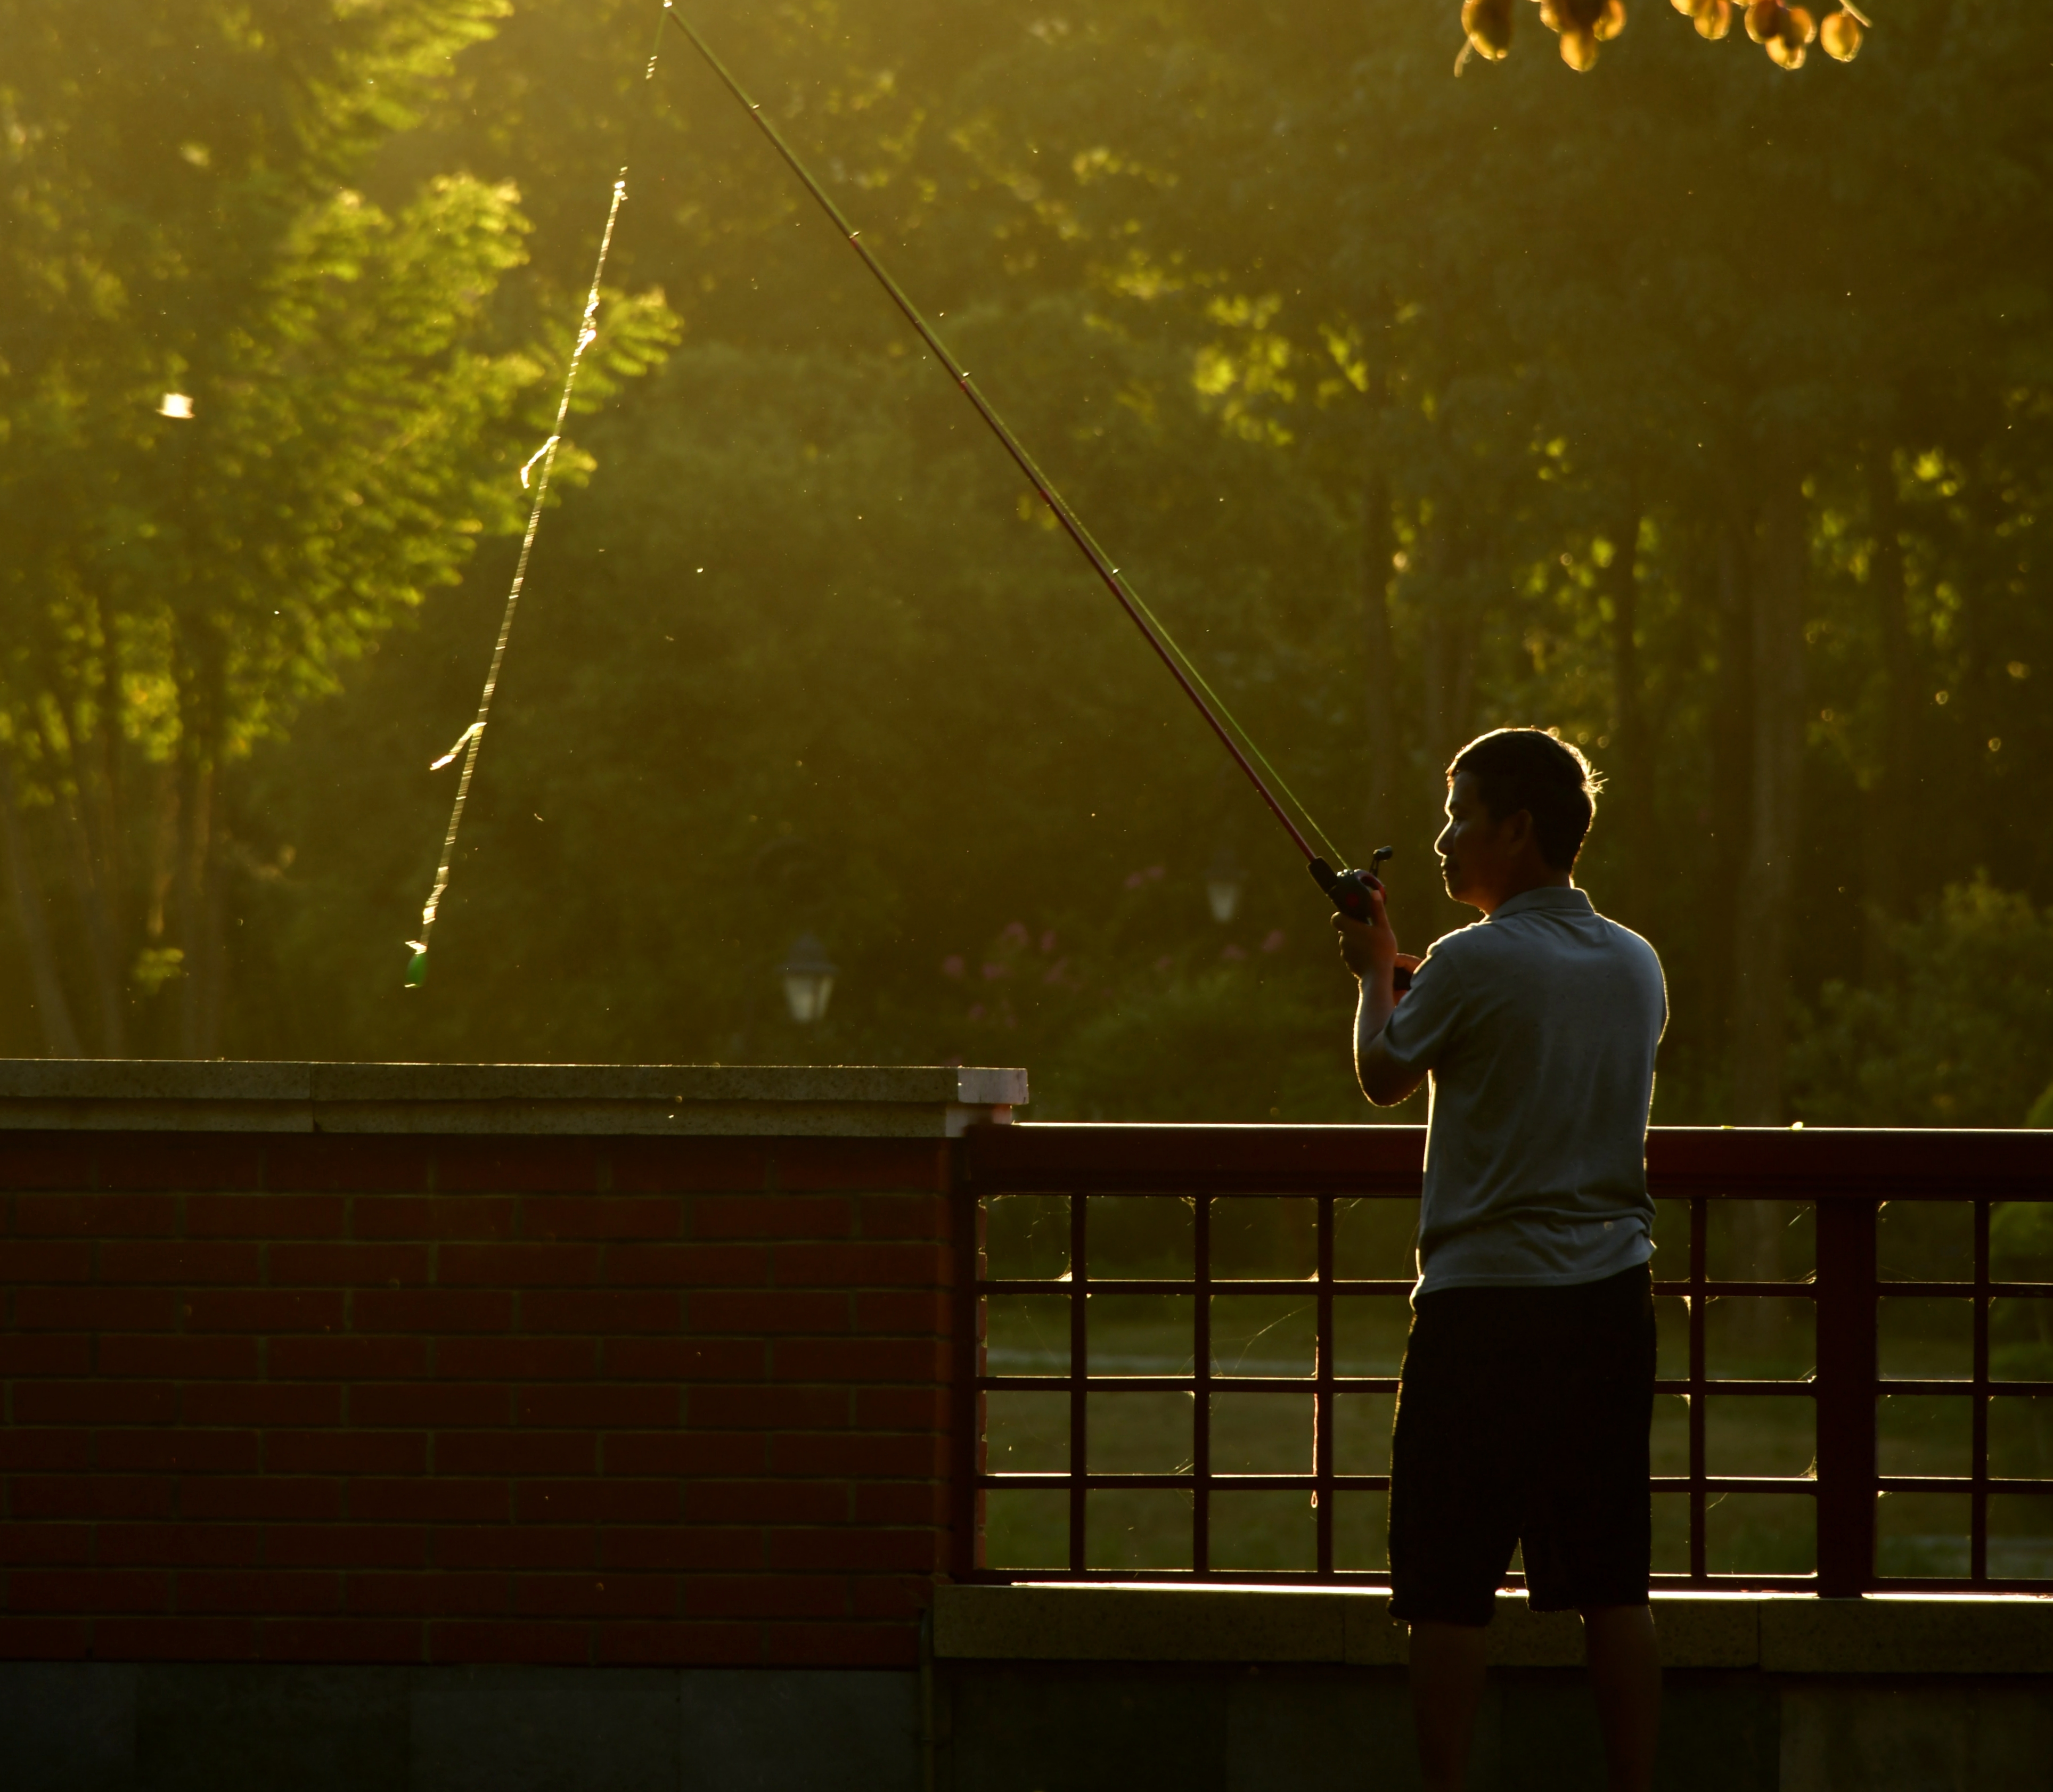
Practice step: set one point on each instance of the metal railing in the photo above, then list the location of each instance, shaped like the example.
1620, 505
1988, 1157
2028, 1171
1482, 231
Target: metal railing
1064, 1178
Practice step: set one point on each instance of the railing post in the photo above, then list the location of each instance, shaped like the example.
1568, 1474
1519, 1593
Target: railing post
966, 1447
1846, 1396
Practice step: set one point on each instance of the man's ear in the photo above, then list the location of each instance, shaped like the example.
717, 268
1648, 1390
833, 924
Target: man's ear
1518, 832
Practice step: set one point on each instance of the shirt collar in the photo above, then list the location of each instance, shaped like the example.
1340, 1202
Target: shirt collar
1547, 896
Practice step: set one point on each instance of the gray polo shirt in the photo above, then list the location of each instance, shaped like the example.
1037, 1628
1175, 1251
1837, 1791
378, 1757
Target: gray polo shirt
1539, 1026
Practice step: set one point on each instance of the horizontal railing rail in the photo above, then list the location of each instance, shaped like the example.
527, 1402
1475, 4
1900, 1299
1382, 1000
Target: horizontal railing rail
1940, 1191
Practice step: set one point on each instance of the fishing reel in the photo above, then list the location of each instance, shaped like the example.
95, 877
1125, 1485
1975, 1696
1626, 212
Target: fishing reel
1349, 892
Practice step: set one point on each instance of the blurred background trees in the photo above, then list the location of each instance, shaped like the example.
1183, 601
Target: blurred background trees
1697, 408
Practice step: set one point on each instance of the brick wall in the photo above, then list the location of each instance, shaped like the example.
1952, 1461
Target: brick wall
678, 1400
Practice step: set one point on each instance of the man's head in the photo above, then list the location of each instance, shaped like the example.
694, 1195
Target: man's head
1519, 802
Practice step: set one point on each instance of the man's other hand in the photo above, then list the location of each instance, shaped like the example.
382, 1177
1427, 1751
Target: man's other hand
1369, 948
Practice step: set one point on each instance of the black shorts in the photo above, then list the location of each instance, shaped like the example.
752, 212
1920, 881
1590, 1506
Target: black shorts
1523, 1419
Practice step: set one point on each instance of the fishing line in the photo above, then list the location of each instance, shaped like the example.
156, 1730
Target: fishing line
1180, 665
471, 740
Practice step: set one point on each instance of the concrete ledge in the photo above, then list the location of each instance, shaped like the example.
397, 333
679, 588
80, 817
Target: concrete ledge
1788, 1633
766, 1101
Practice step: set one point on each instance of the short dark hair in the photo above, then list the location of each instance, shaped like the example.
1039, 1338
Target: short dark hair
1535, 770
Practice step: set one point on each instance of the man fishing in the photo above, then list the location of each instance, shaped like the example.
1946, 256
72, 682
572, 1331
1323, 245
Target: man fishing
1527, 1390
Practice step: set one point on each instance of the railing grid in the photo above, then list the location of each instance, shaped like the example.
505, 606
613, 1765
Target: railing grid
1080, 1167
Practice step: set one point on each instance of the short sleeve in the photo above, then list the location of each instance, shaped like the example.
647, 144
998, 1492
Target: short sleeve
1421, 1027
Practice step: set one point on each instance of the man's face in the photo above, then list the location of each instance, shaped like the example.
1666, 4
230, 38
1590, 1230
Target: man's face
1476, 855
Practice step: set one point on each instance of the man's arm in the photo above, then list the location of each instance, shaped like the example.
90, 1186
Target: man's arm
1370, 949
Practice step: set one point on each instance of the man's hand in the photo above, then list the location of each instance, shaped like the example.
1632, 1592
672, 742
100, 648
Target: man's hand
1370, 950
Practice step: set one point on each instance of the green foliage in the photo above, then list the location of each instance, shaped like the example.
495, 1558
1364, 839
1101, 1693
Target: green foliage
1963, 1037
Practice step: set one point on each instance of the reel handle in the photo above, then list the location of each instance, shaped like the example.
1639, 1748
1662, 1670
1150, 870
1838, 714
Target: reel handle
1349, 892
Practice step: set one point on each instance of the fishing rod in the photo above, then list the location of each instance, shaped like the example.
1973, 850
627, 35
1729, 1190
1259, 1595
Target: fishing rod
1348, 890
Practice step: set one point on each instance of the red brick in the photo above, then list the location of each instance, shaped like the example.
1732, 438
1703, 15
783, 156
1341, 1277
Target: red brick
856, 1548
44, 1354
45, 1260
432, 1404
842, 1645
261, 1497
492, 1165
71, 1589
517, 1359
738, 1646
433, 1309
343, 1162
435, 1217
180, 1546
518, 1265
95, 1216
906, 1215
517, 1546
686, 1359
346, 1452
597, 1502
344, 1265
902, 1408
264, 1590
516, 1453
529, 1643
180, 1260
689, 1266
263, 1309
263, 1403
45, 1639
899, 1596
29, 1162
858, 1453
852, 1264
430, 1499
925, 1316
431, 1595
901, 1503
180, 1161
265, 1216
910, 1165
603, 1310
795, 1502
91, 1497
45, 1545
95, 1309
589, 1216
781, 1311
683, 1549
684, 1453
767, 1409
174, 1639
95, 1402
861, 1359
45, 1452
766, 1596
216, 1358
346, 1546
637, 1407
773, 1215
347, 1359
175, 1451
596, 1595
688, 1164
341, 1639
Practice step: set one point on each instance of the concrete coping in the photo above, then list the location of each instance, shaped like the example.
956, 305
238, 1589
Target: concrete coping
921, 1101
1789, 1633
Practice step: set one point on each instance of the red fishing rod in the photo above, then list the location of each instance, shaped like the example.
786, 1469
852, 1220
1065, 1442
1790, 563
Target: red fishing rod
1349, 890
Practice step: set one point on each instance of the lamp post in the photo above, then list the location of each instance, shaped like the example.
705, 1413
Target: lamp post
809, 979
1224, 883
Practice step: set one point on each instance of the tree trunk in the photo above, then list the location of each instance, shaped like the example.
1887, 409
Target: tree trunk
1888, 812
1378, 656
60, 1034
1766, 894
199, 917
1632, 738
